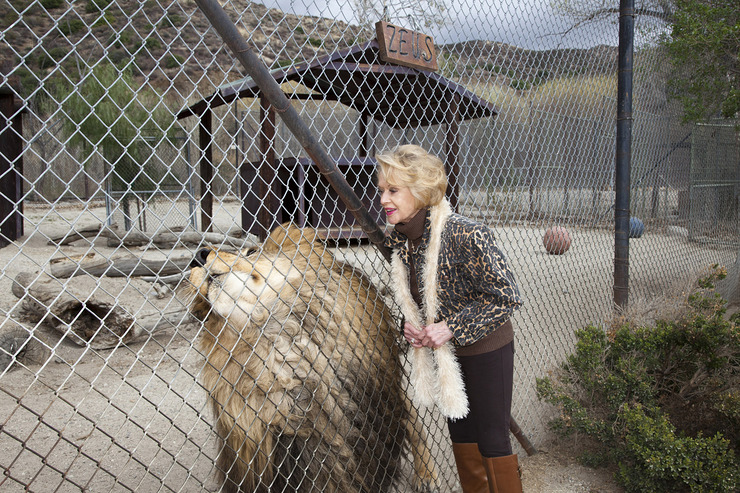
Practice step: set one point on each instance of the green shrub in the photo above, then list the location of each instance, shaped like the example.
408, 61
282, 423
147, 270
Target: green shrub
71, 26
152, 43
119, 58
104, 21
50, 58
93, 6
656, 458
8, 19
174, 61
661, 402
520, 85
125, 39
174, 20
52, 4
447, 64
28, 80
727, 403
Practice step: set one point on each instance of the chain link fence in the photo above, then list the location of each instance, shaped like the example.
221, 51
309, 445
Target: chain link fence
132, 140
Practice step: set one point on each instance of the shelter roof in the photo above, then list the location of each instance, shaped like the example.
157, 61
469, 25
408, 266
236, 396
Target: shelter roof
356, 77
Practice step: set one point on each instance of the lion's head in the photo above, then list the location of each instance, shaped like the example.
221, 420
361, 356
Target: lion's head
244, 289
249, 287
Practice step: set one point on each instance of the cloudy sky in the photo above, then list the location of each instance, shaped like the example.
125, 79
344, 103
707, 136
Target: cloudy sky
525, 23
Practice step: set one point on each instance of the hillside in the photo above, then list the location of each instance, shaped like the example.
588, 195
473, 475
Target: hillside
475, 58
173, 49
170, 51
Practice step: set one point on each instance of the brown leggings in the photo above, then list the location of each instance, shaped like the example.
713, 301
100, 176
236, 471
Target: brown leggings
489, 381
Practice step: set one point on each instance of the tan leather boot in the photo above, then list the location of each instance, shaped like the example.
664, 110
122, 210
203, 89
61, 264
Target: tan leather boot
470, 470
503, 474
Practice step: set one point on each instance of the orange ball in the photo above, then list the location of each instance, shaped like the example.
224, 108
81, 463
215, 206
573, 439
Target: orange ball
556, 240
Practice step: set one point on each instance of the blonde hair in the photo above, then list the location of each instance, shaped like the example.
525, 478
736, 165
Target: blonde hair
413, 167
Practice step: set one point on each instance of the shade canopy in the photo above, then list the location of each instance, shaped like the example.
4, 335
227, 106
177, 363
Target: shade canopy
398, 96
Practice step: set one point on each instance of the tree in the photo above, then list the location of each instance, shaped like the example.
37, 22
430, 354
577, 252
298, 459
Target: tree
584, 11
704, 45
702, 39
417, 15
108, 112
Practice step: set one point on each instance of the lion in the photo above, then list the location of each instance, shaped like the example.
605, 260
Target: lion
303, 372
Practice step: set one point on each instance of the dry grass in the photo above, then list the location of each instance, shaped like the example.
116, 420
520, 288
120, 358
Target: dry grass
572, 96
578, 96
671, 304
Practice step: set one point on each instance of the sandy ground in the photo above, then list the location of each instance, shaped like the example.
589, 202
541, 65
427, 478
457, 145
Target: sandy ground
555, 469
133, 418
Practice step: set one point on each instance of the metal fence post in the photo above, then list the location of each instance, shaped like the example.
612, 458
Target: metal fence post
623, 154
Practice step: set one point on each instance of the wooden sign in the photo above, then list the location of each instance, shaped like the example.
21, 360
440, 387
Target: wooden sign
406, 47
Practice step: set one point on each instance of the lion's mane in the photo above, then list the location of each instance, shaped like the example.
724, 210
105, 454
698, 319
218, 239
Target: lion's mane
302, 369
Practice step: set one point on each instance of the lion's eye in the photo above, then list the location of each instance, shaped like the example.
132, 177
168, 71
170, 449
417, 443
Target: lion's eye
255, 277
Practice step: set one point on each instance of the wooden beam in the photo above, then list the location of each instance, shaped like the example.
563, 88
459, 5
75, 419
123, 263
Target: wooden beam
11, 168
363, 131
267, 183
205, 139
452, 150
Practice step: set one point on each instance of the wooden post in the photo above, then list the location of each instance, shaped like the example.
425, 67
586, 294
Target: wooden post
363, 130
205, 139
270, 204
452, 149
11, 168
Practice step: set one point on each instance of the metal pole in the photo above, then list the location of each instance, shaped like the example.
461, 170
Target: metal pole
275, 96
623, 153
521, 437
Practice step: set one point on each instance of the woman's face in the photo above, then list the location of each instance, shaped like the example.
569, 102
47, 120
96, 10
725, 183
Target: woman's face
398, 203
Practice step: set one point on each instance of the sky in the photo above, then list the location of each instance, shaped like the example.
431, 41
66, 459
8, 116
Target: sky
528, 24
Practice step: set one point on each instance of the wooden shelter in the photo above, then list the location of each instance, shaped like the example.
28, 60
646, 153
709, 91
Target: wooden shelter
398, 96
11, 167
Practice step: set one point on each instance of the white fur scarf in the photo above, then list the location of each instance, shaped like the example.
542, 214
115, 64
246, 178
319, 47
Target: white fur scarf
435, 374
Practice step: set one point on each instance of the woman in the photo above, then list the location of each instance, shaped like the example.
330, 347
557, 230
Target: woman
450, 266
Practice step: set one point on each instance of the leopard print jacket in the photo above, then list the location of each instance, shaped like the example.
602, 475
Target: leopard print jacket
477, 292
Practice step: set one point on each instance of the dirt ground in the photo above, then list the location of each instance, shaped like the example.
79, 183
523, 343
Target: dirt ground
134, 419
555, 469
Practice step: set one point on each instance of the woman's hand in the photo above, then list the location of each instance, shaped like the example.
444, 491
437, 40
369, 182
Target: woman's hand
413, 335
436, 335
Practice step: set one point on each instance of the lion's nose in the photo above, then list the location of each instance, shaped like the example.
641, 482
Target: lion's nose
200, 258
